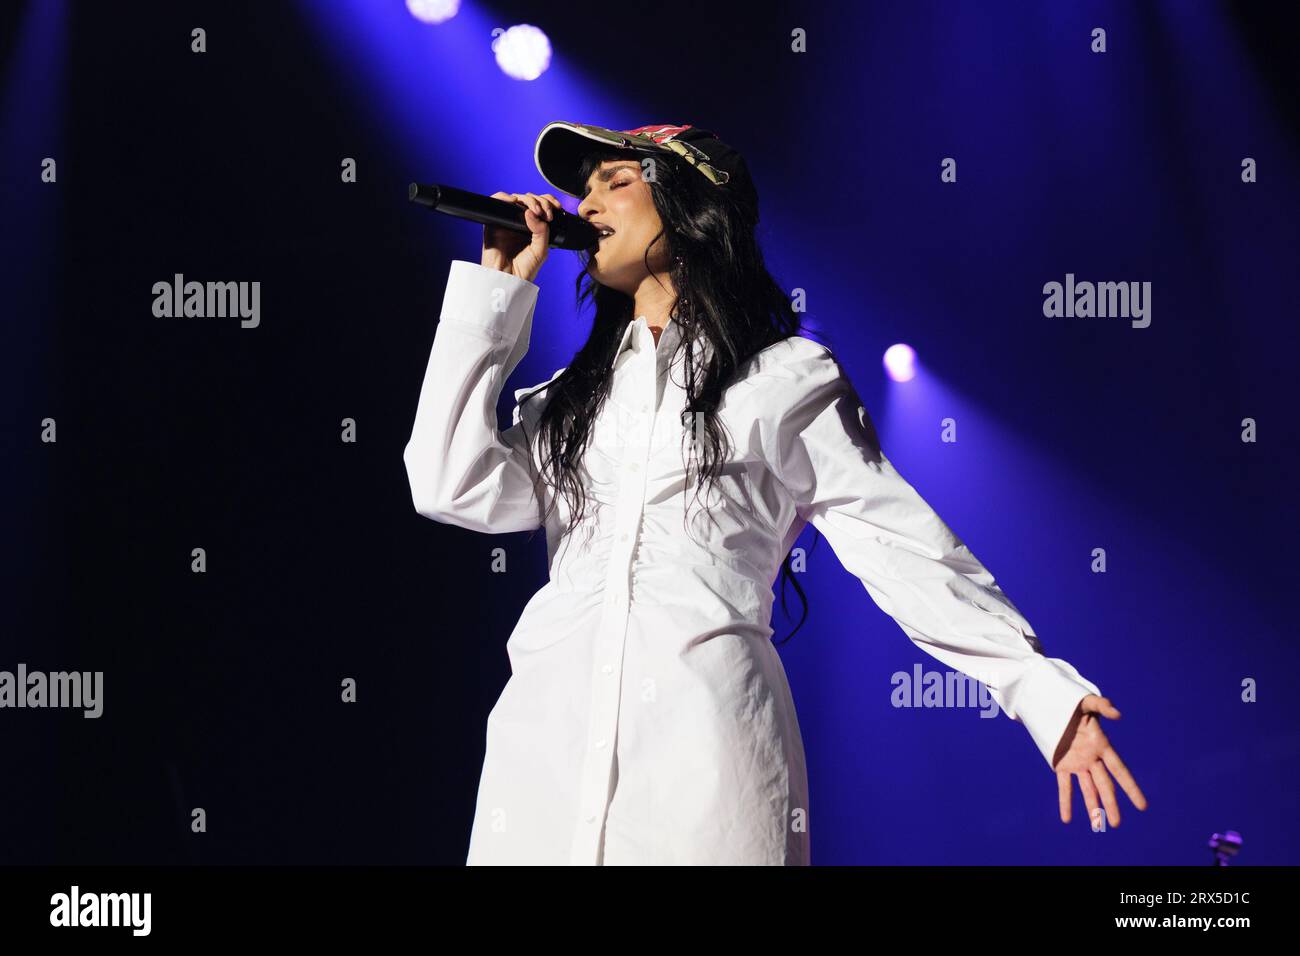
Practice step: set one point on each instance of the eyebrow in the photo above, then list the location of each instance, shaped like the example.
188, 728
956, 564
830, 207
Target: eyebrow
605, 175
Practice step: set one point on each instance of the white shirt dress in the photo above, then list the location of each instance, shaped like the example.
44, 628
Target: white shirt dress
648, 718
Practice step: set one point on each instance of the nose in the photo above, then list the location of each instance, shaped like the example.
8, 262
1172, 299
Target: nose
587, 209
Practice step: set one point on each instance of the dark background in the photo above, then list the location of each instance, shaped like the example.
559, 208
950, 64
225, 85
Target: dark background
222, 689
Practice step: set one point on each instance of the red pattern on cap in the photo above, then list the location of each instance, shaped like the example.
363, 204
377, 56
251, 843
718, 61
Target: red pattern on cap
659, 132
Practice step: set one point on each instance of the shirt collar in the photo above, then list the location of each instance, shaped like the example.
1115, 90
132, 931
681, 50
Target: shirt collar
668, 339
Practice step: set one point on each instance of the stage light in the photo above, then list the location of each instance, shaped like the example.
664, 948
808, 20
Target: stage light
900, 362
433, 11
523, 52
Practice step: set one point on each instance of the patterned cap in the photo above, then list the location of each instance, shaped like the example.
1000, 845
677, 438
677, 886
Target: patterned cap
560, 148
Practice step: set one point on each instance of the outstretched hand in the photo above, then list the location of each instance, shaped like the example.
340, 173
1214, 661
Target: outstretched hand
1085, 752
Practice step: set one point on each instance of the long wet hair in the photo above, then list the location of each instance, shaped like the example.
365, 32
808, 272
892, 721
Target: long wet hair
723, 290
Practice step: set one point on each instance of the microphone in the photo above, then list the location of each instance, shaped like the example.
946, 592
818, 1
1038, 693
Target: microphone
567, 230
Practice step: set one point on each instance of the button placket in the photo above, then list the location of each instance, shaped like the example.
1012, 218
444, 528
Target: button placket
635, 476
610, 643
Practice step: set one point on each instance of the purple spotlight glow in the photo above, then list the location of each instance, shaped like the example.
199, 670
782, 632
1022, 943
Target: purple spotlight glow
523, 52
900, 362
433, 11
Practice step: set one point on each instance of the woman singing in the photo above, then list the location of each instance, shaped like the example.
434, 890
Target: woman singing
673, 463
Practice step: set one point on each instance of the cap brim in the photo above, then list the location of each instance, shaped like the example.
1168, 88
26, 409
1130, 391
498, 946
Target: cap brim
560, 147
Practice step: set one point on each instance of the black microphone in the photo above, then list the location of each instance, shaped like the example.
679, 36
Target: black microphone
567, 230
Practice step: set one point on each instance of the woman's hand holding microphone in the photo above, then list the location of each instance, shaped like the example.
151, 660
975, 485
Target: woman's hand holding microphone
508, 251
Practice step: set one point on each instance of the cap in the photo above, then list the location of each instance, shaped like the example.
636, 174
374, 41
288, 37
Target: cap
560, 148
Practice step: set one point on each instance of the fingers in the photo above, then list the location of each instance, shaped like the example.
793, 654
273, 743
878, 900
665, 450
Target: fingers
1063, 795
1095, 704
1121, 772
1098, 774
1089, 796
542, 207
1095, 779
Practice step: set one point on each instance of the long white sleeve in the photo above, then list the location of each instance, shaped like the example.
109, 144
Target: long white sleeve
824, 450
462, 469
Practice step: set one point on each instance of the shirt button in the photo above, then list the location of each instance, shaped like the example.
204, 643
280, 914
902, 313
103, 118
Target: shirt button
591, 818
600, 743
623, 536
607, 669
645, 408
634, 467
